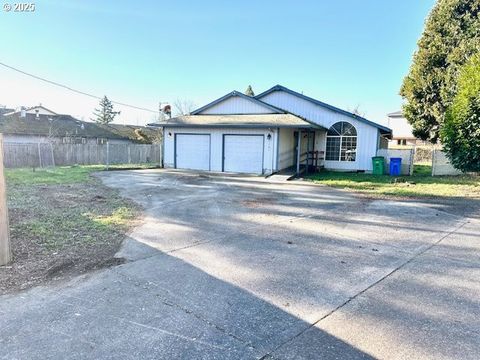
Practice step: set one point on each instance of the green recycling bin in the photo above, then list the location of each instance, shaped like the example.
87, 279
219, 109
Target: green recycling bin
378, 165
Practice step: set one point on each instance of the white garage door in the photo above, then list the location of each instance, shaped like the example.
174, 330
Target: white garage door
243, 153
192, 151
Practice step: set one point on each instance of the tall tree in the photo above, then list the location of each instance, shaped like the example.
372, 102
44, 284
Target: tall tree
461, 131
105, 115
451, 35
249, 91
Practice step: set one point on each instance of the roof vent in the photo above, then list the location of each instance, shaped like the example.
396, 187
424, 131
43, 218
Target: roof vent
23, 112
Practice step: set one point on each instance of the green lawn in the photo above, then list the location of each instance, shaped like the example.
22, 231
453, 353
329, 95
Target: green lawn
62, 174
420, 184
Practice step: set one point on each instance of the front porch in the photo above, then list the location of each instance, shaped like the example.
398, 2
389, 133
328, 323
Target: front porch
301, 150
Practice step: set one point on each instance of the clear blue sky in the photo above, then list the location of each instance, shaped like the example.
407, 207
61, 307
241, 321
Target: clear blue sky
346, 53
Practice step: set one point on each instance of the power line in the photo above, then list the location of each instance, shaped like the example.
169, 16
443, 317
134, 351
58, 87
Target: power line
74, 90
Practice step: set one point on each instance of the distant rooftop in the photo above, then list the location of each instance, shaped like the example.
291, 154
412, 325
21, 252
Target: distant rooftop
398, 113
68, 126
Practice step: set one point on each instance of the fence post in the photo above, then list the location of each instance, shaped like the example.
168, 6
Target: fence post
53, 156
39, 156
433, 161
5, 251
412, 161
108, 154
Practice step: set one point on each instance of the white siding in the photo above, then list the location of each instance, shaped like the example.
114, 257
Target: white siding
236, 105
286, 153
367, 135
216, 135
401, 129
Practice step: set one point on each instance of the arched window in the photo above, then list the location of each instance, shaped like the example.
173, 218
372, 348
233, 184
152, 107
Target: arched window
341, 142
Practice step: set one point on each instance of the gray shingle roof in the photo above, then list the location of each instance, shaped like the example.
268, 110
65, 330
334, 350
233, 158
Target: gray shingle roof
246, 120
66, 125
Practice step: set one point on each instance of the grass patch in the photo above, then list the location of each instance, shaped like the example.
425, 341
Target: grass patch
57, 175
118, 217
62, 174
420, 184
63, 221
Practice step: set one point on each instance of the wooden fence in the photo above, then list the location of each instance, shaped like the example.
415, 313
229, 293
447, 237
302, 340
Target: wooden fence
47, 154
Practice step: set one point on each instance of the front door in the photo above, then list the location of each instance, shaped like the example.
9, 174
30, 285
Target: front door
307, 144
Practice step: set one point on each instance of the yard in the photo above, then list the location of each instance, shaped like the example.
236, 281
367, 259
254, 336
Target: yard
420, 184
63, 222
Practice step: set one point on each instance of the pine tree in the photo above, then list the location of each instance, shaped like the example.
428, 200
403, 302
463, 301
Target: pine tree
105, 115
450, 37
249, 91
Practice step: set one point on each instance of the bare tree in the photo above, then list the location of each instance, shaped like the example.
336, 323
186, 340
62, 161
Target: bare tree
183, 107
356, 111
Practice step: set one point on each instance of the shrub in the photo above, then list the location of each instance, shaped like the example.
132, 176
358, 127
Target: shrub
461, 130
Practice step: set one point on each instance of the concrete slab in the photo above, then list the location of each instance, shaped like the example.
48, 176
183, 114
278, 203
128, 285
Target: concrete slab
243, 267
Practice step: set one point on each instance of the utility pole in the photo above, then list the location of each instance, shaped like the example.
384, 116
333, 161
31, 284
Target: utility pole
5, 251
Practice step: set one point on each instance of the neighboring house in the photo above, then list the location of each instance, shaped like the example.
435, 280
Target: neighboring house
275, 130
5, 110
34, 110
26, 127
402, 130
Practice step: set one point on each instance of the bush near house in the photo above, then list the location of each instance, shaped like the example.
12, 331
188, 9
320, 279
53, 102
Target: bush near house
461, 131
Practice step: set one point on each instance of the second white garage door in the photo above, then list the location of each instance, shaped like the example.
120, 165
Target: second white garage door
192, 151
243, 153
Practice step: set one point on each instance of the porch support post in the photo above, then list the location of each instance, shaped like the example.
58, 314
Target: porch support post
298, 150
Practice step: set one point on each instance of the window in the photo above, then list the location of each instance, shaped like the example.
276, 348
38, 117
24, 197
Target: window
101, 141
402, 142
341, 142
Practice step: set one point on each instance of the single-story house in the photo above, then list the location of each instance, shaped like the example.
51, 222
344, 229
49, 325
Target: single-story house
275, 130
28, 127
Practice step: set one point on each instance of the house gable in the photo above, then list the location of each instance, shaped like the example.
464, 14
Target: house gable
314, 110
237, 103
41, 110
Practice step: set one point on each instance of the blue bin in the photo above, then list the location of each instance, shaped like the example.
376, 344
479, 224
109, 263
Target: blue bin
395, 166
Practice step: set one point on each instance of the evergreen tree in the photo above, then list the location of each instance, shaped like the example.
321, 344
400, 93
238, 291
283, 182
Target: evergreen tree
105, 115
461, 130
451, 35
249, 91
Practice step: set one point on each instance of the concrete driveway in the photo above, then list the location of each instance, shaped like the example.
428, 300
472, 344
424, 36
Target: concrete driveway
243, 267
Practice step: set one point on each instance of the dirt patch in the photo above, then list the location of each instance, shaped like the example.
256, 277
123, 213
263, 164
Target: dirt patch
258, 202
59, 231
